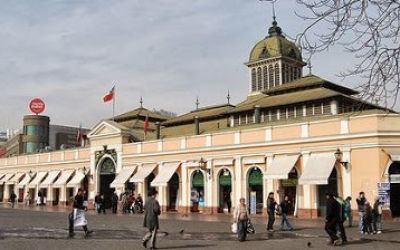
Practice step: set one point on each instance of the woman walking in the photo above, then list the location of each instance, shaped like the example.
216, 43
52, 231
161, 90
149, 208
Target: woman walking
241, 217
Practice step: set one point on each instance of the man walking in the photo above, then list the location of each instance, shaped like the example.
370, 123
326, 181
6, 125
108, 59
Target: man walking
285, 208
13, 198
340, 202
77, 217
271, 204
152, 211
332, 219
361, 200
114, 202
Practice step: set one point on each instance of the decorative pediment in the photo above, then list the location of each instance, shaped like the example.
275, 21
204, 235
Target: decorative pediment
105, 128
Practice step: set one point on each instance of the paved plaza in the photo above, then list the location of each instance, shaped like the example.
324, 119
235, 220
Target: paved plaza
38, 228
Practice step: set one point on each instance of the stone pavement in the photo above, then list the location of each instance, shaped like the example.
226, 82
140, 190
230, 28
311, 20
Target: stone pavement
46, 228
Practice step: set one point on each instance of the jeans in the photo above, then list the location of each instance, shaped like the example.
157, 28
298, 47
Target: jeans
271, 220
350, 218
377, 222
285, 220
361, 221
242, 230
151, 235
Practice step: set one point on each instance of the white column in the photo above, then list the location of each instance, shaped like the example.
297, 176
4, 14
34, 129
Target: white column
162, 196
238, 181
63, 193
346, 174
185, 189
306, 188
210, 196
6, 192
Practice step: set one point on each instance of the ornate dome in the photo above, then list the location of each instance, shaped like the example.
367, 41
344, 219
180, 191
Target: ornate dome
274, 45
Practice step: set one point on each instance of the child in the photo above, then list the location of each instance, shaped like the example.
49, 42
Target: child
367, 227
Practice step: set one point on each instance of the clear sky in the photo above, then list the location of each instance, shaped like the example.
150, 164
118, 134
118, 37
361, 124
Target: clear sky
68, 52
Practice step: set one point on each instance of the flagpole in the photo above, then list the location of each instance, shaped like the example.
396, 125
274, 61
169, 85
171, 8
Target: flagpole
114, 100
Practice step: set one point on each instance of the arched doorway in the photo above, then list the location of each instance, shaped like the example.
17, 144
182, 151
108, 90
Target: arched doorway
173, 192
197, 191
107, 176
288, 188
394, 180
225, 190
331, 187
255, 190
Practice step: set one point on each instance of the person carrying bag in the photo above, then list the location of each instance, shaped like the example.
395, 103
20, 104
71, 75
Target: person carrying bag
241, 219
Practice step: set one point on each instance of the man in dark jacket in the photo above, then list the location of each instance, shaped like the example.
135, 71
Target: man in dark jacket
152, 211
361, 200
78, 208
285, 208
13, 198
114, 202
332, 218
271, 205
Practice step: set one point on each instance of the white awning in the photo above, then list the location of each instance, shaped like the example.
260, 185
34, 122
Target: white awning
281, 166
143, 172
63, 179
15, 179
1, 176
76, 180
122, 177
24, 181
254, 160
165, 173
318, 169
49, 179
6, 177
38, 178
394, 153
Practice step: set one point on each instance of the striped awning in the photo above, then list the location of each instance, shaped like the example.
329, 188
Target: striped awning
166, 171
50, 178
15, 179
77, 179
318, 169
37, 180
144, 171
7, 177
24, 181
122, 177
63, 179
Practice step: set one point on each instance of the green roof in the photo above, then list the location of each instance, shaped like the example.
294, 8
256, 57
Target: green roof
205, 113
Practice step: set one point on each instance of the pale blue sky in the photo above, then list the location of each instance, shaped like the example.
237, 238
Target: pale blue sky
168, 51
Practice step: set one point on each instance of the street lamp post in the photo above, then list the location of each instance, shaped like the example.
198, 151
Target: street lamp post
339, 157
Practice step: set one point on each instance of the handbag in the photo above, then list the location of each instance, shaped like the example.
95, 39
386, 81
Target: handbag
250, 228
234, 227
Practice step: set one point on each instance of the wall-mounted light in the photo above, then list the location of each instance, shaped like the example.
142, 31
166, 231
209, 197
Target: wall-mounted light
339, 157
203, 166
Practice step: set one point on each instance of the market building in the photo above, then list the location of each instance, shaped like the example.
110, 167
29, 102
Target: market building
294, 135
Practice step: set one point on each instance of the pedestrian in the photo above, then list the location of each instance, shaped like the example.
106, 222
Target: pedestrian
131, 202
377, 216
285, 206
332, 219
150, 221
347, 211
27, 199
13, 199
97, 203
77, 216
228, 200
367, 220
102, 204
361, 200
241, 218
114, 202
271, 206
340, 225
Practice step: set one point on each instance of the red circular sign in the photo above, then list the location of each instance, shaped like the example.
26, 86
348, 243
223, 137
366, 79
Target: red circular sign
37, 106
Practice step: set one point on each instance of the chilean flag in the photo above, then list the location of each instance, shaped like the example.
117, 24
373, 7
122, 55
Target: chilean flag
109, 96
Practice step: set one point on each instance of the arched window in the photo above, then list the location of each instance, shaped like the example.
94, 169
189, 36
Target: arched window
277, 75
259, 78
271, 82
265, 71
284, 80
253, 79
291, 77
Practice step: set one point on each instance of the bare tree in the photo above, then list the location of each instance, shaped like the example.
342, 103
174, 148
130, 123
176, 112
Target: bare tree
367, 28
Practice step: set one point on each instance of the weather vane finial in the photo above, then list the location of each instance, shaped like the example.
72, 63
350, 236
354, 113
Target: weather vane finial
141, 102
228, 97
197, 103
273, 8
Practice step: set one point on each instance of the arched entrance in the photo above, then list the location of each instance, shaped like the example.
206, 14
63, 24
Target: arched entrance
197, 191
225, 190
255, 190
107, 175
331, 187
394, 180
173, 192
288, 188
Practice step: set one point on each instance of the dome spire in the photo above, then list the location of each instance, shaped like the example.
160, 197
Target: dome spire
274, 30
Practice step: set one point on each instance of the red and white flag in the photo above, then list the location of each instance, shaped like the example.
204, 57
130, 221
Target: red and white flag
146, 125
109, 96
